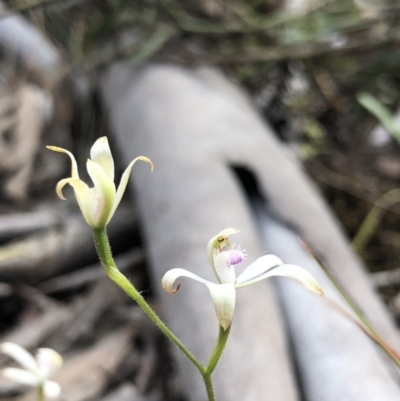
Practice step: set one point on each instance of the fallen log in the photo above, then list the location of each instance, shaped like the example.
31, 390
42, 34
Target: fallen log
58, 250
336, 360
197, 127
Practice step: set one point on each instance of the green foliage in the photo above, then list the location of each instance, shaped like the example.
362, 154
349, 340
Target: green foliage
382, 113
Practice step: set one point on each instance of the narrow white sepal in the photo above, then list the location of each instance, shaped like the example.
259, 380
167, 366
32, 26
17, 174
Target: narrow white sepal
258, 268
20, 355
224, 297
100, 153
21, 376
168, 281
74, 166
294, 272
125, 178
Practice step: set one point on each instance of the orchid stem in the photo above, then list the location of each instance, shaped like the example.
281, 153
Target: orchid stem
219, 348
111, 269
40, 393
209, 387
215, 356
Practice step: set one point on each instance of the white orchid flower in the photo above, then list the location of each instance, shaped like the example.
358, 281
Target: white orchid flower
97, 204
37, 370
223, 257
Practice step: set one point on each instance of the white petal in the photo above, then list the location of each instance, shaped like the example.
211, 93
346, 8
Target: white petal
124, 181
168, 281
100, 153
83, 194
259, 267
225, 272
74, 167
104, 194
52, 390
224, 296
21, 376
20, 355
49, 361
294, 272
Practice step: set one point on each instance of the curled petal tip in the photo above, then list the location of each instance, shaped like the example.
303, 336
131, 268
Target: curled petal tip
60, 185
147, 160
176, 289
54, 148
170, 277
228, 231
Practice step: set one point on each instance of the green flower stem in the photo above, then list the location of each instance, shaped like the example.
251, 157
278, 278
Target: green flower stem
40, 392
209, 387
219, 348
215, 356
107, 261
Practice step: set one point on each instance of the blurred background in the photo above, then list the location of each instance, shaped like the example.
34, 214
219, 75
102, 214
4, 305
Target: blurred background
322, 74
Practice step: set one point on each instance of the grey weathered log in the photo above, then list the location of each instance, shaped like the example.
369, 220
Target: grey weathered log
174, 118
125, 392
33, 329
336, 360
83, 321
15, 224
77, 279
58, 250
28, 48
195, 126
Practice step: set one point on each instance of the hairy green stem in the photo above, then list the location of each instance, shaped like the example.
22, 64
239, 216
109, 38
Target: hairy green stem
219, 348
215, 356
209, 387
107, 261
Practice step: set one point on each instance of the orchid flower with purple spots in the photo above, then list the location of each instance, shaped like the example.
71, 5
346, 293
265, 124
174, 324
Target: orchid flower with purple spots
223, 257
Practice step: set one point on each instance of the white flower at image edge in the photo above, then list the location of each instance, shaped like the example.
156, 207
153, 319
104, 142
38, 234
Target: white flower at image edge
223, 257
37, 370
97, 204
